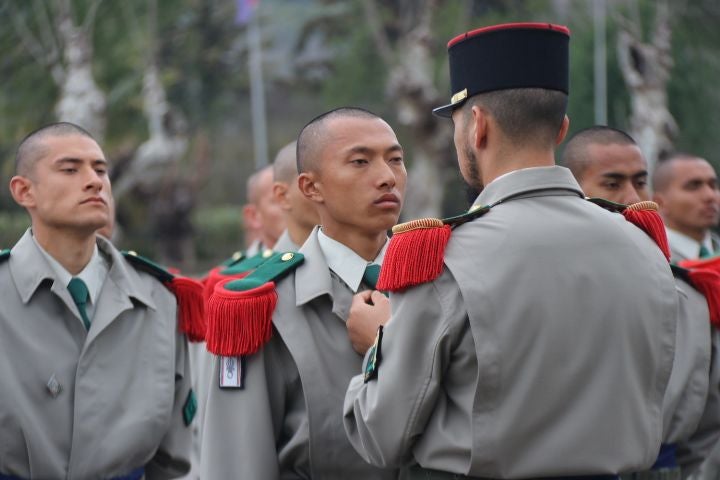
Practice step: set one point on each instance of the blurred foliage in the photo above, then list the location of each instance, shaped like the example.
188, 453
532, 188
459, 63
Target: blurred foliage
318, 54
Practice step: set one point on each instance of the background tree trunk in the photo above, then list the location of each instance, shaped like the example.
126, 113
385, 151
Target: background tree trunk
410, 87
646, 69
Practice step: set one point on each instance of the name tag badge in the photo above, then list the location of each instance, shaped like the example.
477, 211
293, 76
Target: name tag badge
232, 372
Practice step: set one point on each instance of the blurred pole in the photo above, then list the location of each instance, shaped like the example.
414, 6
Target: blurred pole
257, 93
600, 70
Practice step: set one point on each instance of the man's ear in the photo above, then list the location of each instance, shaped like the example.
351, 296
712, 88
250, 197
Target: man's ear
310, 186
280, 195
659, 198
251, 218
563, 130
22, 192
479, 126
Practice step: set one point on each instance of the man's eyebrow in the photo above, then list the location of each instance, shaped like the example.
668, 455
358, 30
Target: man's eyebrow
75, 161
615, 175
366, 150
644, 173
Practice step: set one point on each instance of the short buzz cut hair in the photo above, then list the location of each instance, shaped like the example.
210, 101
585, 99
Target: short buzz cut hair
285, 164
663, 173
31, 148
311, 135
575, 154
526, 116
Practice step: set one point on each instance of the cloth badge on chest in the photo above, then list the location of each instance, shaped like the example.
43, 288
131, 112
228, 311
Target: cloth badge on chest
232, 372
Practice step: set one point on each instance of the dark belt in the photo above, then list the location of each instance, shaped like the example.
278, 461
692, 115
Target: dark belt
416, 472
136, 474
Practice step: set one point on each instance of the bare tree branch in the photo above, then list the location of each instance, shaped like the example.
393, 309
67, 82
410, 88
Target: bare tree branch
89, 22
382, 43
47, 32
35, 47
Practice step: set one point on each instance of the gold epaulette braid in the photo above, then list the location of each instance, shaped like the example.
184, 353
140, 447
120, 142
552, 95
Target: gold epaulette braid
417, 224
646, 205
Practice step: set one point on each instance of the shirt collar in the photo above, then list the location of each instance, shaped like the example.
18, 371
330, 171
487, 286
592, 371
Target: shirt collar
342, 260
93, 274
686, 246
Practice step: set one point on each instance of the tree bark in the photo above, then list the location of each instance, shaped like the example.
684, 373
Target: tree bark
81, 101
646, 69
411, 88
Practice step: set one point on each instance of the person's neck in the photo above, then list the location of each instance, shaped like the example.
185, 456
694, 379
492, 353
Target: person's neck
297, 232
366, 245
697, 234
510, 159
72, 250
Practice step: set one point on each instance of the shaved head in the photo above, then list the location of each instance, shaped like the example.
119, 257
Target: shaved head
32, 147
575, 156
664, 170
285, 164
313, 134
257, 182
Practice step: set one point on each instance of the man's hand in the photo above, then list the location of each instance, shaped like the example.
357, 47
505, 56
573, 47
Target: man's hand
369, 310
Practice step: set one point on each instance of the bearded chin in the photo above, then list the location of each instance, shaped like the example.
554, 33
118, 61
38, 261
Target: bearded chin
474, 179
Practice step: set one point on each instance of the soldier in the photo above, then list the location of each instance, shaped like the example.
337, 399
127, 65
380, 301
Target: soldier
515, 348
94, 377
299, 212
608, 164
262, 217
686, 189
277, 412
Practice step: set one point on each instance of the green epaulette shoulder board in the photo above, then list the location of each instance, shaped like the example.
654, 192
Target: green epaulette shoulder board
607, 204
4, 254
681, 273
476, 211
239, 315
271, 269
245, 264
148, 266
234, 258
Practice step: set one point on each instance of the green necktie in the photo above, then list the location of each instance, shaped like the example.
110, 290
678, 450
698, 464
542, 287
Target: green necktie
370, 277
704, 252
79, 293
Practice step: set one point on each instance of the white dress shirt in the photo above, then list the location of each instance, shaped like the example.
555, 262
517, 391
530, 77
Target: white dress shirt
346, 264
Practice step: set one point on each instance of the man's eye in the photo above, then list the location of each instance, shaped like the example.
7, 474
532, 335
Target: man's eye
359, 161
612, 186
397, 159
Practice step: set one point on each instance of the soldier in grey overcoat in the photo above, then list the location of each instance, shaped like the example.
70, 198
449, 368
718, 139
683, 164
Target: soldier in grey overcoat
283, 416
543, 344
97, 385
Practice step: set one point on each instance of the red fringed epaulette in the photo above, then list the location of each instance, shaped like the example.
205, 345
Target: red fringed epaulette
239, 312
645, 216
188, 292
416, 251
705, 277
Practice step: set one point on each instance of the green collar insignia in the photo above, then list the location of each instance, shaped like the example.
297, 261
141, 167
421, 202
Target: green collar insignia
374, 357
4, 254
148, 266
190, 408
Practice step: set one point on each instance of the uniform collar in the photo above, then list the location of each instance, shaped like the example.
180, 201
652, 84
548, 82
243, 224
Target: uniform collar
93, 274
528, 180
342, 260
686, 246
285, 243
